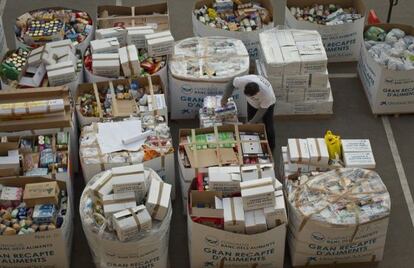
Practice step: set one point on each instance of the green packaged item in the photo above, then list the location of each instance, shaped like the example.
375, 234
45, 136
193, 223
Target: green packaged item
375, 34
204, 141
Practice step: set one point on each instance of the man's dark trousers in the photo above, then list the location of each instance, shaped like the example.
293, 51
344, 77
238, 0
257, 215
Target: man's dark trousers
267, 120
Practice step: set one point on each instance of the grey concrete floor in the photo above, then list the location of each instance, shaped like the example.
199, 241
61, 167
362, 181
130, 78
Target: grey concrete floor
352, 119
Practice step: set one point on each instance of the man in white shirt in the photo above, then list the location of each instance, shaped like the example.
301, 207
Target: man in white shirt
260, 101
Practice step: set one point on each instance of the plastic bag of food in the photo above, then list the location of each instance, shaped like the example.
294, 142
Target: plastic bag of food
375, 34
394, 35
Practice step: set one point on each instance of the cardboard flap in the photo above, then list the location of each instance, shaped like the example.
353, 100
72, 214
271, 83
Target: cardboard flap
21, 181
48, 120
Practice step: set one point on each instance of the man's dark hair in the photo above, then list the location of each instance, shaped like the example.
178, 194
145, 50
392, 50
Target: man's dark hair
251, 89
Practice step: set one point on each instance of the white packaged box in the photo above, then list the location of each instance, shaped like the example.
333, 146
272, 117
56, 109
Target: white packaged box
293, 167
33, 76
129, 223
129, 61
313, 57
356, 145
233, 215
292, 60
317, 96
114, 203
103, 185
106, 64
108, 45
276, 215
295, 81
285, 38
296, 95
136, 35
255, 172
359, 160
224, 179
255, 221
281, 95
160, 46
35, 57
117, 32
271, 54
158, 200
298, 151
319, 80
131, 180
257, 194
61, 73
318, 152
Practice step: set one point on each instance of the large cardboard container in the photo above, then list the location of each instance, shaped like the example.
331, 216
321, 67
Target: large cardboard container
211, 247
41, 249
356, 239
81, 46
94, 88
122, 16
388, 91
47, 124
211, 158
250, 39
342, 42
107, 251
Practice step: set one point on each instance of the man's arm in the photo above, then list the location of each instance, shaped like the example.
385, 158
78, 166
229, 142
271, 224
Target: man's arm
228, 92
258, 116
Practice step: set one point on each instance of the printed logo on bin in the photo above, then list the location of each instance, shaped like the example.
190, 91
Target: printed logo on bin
318, 237
211, 240
186, 89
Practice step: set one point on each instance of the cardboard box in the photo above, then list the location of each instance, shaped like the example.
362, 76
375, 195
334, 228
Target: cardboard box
312, 55
35, 57
114, 203
9, 163
61, 73
255, 172
159, 199
103, 185
155, 15
224, 179
355, 145
41, 193
317, 96
342, 42
136, 35
295, 81
250, 39
321, 107
319, 80
10, 196
107, 45
318, 152
160, 44
296, 95
255, 221
33, 76
359, 160
388, 91
278, 186
257, 194
130, 222
292, 60
290, 166
207, 204
116, 32
234, 218
130, 179
44, 213
276, 215
128, 57
298, 151
106, 64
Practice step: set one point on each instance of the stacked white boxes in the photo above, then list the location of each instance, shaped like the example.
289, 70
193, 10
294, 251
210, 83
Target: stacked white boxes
295, 63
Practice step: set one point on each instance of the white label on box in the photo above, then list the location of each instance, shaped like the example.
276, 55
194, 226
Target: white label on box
359, 160
296, 81
258, 194
356, 145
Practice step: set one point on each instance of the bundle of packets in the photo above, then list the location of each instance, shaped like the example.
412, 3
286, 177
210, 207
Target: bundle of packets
325, 14
246, 200
46, 25
134, 91
14, 64
393, 49
213, 114
44, 154
35, 208
303, 156
209, 58
234, 16
127, 203
364, 197
157, 141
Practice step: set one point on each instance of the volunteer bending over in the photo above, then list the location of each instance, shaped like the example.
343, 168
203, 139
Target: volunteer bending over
260, 101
